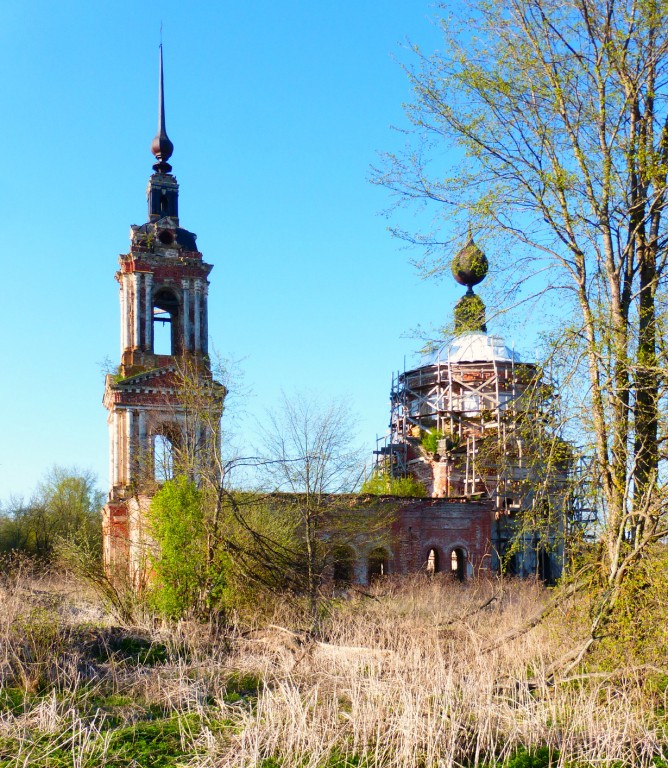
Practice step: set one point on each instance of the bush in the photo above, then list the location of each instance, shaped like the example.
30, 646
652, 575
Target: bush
188, 571
638, 632
430, 440
381, 484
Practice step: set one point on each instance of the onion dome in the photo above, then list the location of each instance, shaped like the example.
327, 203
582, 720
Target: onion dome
470, 265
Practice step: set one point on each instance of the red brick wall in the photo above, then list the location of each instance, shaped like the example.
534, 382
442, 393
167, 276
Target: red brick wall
414, 527
442, 525
115, 537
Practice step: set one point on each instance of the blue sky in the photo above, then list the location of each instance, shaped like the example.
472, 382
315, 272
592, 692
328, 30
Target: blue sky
277, 111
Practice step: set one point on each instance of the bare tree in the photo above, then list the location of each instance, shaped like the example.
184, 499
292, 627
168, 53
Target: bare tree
309, 450
230, 535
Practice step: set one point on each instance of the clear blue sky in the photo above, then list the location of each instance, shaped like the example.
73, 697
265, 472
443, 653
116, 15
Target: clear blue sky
276, 111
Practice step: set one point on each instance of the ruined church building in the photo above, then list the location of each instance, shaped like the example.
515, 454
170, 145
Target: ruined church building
457, 422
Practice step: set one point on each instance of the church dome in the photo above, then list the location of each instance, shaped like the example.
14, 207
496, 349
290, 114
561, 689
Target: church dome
476, 348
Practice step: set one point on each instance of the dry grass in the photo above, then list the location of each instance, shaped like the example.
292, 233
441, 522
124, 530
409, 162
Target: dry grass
403, 679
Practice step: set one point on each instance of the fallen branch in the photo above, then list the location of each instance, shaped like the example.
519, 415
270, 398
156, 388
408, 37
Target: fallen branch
472, 612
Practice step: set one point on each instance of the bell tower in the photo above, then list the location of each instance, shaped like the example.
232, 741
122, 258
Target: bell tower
163, 405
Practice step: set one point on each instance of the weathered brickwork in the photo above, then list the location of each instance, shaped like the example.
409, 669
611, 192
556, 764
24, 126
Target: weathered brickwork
416, 529
442, 526
164, 279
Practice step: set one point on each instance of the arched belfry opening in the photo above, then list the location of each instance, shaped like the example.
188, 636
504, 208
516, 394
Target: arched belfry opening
166, 323
164, 204
166, 444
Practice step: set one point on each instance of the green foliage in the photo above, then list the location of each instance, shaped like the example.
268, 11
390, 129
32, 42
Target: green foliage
381, 484
430, 440
638, 633
150, 744
117, 376
66, 505
242, 686
470, 314
336, 759
146, 744
12, 699
543, 757
139, 651
189, 573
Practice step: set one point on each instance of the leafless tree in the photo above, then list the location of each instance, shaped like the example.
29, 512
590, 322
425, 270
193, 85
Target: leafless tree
309, 450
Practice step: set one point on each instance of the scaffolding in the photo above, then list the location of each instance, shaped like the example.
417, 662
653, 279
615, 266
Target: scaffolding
465, 403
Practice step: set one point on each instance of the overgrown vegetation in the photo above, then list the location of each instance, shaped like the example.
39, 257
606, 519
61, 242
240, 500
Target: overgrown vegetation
422, 673
380, 483
429, 440
188, 567
210, 556
66, 505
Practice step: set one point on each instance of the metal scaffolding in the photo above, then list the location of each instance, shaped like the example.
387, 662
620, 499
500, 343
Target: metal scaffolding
465, 403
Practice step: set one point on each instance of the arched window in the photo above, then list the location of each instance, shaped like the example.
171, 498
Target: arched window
377, 564
458, 564
343, 565
165, 323
432, 565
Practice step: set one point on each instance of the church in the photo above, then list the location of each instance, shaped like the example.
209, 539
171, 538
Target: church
460, 423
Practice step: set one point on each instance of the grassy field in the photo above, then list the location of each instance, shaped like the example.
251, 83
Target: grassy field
408, 677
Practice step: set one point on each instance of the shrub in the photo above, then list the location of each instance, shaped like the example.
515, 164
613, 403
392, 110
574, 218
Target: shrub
188, 571
381, 484
430, 440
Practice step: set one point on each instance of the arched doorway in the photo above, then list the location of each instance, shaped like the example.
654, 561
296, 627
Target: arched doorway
377, 564
458, 563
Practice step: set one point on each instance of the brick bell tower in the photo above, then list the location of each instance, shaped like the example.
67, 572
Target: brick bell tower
163, 406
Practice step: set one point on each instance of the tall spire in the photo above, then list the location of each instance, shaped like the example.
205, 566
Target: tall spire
161, 146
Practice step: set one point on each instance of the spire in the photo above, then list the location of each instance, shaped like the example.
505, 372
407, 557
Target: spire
161, 146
